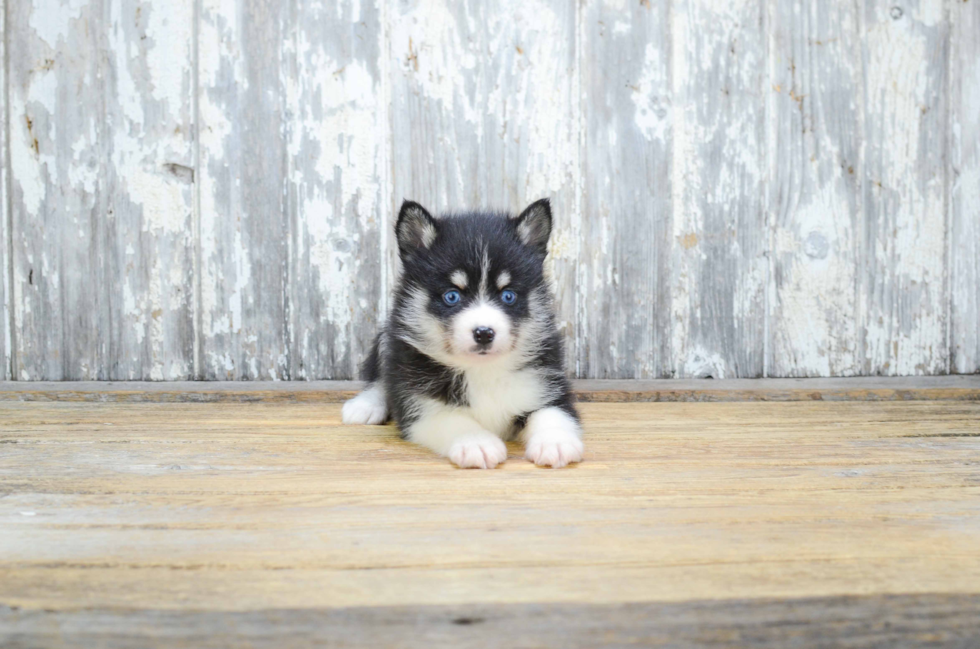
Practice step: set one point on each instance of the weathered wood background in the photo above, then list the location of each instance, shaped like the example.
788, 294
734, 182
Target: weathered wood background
205, 188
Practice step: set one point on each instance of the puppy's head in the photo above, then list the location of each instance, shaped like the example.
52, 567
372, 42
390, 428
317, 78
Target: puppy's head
473, 285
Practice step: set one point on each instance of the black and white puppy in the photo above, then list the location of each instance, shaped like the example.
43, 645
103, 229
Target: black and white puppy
471, 354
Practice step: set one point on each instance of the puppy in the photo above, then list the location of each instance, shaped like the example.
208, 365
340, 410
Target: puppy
471, 356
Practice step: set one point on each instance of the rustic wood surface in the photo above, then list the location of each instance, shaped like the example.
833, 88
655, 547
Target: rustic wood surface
964, 238
816, 192
720, 242
926, 388
167, 522
903, 283
625, 333
244, 229
204, 189
102, 185
5, 240
879, 621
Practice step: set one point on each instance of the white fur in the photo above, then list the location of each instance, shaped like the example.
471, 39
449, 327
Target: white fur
423, 330
481, 314
497, 393
369, 407
453, 433
552, 438
459, 279
503, 279
484, 272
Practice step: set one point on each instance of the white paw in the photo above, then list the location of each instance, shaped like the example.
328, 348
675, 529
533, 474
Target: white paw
368, 407
484, 451
555, 448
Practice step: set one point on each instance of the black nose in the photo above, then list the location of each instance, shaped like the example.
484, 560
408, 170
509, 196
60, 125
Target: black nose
483, 335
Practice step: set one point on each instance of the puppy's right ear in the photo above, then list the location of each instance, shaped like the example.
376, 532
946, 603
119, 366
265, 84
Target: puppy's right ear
415, 230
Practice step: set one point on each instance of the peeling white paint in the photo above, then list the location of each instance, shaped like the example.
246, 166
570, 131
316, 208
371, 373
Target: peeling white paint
652, 112
906, 326
51, 19
484, 105
6, 342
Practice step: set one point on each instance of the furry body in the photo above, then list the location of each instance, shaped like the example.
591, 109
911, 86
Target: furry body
471, 355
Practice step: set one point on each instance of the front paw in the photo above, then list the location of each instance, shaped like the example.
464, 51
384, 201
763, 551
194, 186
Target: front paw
554, 448
478, 452
368, 407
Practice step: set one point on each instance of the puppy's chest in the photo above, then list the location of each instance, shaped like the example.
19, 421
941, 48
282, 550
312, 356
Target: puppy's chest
495, 398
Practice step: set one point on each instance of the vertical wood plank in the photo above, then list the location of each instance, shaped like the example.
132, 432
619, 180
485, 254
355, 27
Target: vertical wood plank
905, 187
101, 196
720, 239
816, 167
243, 166
626, 206
965, 186
337, 201
484, 115
5, 243
147, 227
58, 145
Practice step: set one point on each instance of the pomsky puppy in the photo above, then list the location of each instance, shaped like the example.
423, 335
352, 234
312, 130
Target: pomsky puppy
471, 355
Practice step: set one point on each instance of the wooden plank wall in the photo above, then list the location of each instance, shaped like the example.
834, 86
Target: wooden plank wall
5, 331
204, 189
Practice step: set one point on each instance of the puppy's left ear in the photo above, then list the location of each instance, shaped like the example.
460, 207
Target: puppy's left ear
534, 225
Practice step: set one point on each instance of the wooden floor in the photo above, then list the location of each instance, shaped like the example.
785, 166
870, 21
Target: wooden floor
689, 524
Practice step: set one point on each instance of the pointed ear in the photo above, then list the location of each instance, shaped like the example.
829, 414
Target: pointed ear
415, 229
534, 225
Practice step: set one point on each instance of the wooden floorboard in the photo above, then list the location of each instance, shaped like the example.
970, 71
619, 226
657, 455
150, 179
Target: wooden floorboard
808, 523
885, 621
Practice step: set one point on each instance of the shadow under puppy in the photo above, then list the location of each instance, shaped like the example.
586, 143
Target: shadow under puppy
471, 354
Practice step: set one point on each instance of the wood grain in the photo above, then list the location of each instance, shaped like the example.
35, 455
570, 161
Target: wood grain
964, 234
905, 188
624, 274
6, 344
337, 197
719, 245
738, 510
816, 138
102, 170
148, 260
243, 159
899, 621
58, 190
203, 189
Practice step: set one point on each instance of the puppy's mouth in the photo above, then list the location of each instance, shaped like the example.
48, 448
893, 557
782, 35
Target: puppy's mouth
486, 352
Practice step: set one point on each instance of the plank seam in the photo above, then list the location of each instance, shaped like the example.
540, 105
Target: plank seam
948, 188
579, 184
197, 302
105, 353
769, 165
386, 204
10, 332
288, 73
863, 361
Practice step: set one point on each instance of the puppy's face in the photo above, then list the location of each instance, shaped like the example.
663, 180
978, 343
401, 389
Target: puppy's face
474, 283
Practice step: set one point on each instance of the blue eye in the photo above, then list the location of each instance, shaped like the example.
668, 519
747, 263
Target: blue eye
451, 298
508, 297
